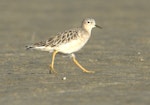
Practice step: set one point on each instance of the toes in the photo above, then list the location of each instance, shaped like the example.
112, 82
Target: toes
89, 71
52, 70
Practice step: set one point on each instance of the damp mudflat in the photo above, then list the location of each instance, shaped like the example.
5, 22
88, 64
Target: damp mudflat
119, 53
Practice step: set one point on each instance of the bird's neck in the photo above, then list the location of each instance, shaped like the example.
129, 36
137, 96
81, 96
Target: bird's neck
88, 29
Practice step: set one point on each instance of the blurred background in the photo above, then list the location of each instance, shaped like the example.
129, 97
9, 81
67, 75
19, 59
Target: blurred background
119, 53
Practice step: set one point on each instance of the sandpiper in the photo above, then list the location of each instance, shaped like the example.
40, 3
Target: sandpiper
67, 42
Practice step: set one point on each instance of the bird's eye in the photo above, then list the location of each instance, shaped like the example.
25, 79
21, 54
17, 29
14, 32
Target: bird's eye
88, 22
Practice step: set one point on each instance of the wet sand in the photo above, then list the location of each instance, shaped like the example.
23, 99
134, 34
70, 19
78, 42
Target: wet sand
119, 53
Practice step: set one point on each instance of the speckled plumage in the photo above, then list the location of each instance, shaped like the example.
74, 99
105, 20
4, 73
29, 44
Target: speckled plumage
62, 38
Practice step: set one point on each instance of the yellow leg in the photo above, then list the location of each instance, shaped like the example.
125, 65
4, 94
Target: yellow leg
79, 65
52, 70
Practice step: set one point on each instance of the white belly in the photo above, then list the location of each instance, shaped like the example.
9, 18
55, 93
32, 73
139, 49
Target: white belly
73, 45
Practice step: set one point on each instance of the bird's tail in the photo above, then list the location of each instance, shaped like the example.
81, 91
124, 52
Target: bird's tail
41, 48
29, 47
37, 46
